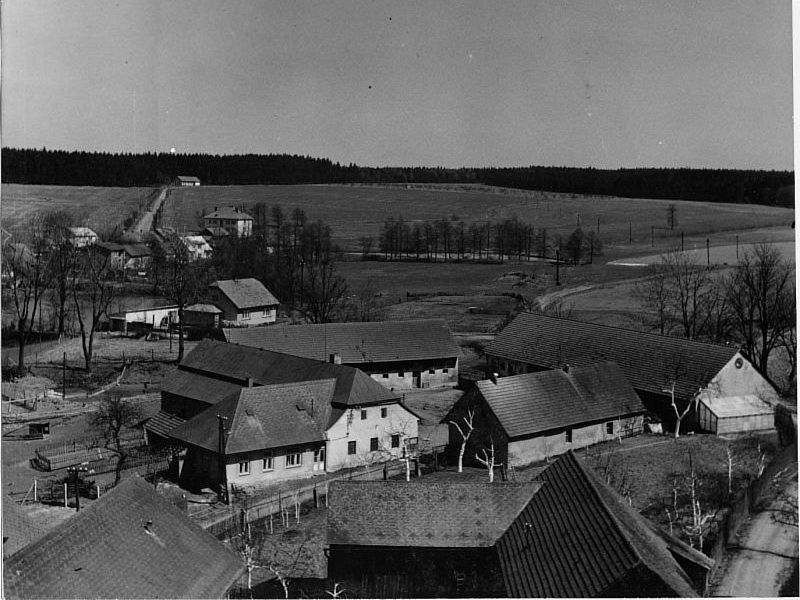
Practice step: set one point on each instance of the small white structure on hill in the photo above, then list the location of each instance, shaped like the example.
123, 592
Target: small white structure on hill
187, 181
81, 237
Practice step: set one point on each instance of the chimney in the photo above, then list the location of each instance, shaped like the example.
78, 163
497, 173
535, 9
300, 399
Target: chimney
335, 358
493, 378
566, 368
249, 382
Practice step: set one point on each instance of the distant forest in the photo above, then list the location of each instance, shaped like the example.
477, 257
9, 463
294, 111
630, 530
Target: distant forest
59, 167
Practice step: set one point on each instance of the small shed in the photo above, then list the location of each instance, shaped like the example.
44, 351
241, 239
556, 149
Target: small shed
39, 429
205, 316
735, 414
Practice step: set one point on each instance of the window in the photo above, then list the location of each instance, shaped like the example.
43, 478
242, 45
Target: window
432, 371
363, 414
568, 436
610, 427
245, 314
267, 464
396, 441
266, 312
400, 374
295, 459
244, 467
351, 447
445, 370
319, 455
384, 412
386, 376
373, 444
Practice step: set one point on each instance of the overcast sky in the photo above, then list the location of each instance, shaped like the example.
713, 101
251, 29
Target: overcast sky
606, 84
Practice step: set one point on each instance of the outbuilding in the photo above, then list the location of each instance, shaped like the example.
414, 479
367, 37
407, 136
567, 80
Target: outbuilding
736, 414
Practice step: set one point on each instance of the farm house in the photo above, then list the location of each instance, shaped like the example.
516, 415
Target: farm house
149, 318
735, 414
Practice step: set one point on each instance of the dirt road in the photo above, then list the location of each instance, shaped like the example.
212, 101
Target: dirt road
767, 551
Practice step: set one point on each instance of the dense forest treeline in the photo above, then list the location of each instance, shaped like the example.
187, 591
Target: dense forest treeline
59, 167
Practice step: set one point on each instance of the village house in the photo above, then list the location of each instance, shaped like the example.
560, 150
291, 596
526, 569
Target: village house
655, 365
129, 543
137, 257
535, 416
400, 355
80, 237
244, 302
115, 253
197, 247
235, 221
202, 316
322, 416
187, 181
566, 534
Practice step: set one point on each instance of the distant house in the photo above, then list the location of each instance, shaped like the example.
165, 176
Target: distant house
398, 354
567, 534
651, 362
202, 316
233, 220
197, 247
244, 302
535, 416
114, 251
287, 417
186, 181
735, 415
130, 543
137, 257
81, 237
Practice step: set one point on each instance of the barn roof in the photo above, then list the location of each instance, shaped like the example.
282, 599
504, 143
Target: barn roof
109, 246
228, 212
535, 402
416, 514
246, 293
578, 538
648, 360
136, 250
19, 530
356, 343
130, 543
188, 179
737, 406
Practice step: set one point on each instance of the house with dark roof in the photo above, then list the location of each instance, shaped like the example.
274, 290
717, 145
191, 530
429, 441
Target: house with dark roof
566, 534
281, 416
187, 181
202, 316
243, 302
535, 416
234, 220
652, 363
114, 251
398, 354
130, 543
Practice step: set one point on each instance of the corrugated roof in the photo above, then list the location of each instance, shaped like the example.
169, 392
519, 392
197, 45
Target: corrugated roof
162, 423
418, 514
265, 417
535, 402
648, 360
578, 538
246, 293
130, 543
356, 343
737, 406
228, 212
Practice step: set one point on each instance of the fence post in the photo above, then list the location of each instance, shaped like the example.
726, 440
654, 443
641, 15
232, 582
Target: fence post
98, 490
34, 489
316, 499
65, 496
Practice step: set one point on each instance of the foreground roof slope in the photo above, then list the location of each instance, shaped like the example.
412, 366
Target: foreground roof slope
19, 529
534, 402
356, 343
648, 360
415, 514
579, 538
131, 543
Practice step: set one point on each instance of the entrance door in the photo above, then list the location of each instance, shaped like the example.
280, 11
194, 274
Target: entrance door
417, 379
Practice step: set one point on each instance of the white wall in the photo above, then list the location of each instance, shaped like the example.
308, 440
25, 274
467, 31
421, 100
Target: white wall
429, 380
351, 427
257, 317
279, 472
152, 315
741, 381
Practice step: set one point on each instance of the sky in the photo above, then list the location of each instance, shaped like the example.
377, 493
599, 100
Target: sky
609, 84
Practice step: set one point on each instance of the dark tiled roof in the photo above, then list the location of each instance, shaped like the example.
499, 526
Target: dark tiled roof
228, 212
188, 178
162, 423
19, 529
131, 543
197, 387
417, 514
246, 293
579, 538
109, 246
648, 360
356, 343
272, 416
136, 250
535, 402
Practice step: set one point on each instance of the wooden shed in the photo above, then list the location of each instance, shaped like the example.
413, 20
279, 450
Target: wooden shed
735, 414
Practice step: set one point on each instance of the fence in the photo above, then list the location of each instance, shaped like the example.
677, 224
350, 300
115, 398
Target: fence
51, 457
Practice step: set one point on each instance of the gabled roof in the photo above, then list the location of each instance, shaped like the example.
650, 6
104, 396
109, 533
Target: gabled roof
188, 179
648, 360
81, 232
356, 343
136, 250
263, 418
418, 514
246, 293
196, 243
737, 406
109, 246
130, 543
579, 538
536, 402
228, 212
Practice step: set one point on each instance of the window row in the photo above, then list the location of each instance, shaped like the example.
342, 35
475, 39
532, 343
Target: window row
374, 444
295, 459
384, 413
403, 373
609, 431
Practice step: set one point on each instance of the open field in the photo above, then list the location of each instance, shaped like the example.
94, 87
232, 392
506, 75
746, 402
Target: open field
717, 255
99, 208
354, 211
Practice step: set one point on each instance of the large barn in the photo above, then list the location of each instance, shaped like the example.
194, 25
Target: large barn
652, 363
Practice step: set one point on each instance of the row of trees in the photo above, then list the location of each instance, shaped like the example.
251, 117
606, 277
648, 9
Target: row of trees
451, 238
753, 305
59, 167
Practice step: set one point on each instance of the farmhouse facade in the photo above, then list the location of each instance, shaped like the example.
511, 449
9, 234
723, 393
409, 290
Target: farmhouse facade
535, 416
652, 363
243, 302
80, 237
397, 354
233, 220
187, 181
567, 534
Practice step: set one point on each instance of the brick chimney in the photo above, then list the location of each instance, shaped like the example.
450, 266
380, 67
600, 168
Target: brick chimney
566, 368
335, 359
249, 382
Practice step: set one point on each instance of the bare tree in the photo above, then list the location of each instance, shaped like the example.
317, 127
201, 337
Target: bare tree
325, 293
487, 460
654, 294
62, 262
692, 293
366, 302
465, 433
672, 216
93, 290
675, 370
366, 243
113, 415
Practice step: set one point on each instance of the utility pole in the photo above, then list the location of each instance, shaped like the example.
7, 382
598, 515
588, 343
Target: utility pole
221, 459
75, 473
169, 330
708, 253
64, 377
558, 258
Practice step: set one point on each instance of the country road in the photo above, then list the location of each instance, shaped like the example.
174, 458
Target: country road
766, 553
144, 223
